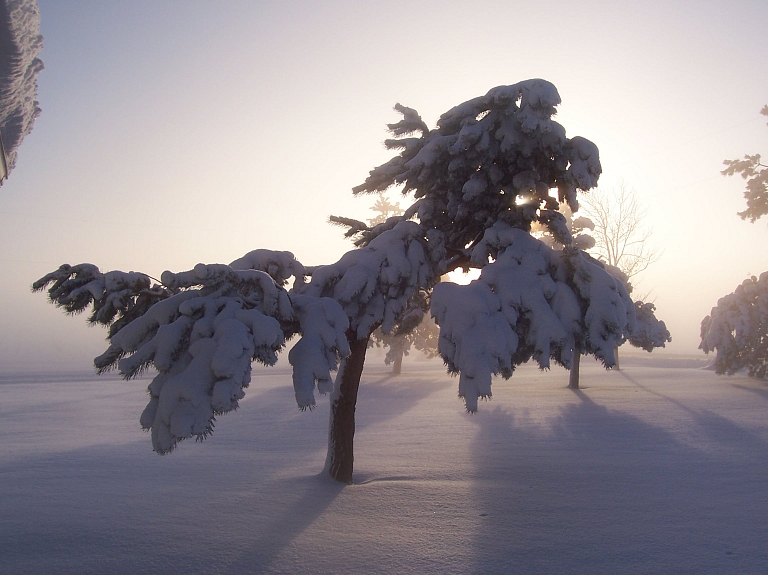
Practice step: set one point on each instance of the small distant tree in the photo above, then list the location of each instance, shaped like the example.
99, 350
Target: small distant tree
492, 167
420, 331
384, 210
737, 327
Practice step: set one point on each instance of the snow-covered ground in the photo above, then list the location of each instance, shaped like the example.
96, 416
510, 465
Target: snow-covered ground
659, 468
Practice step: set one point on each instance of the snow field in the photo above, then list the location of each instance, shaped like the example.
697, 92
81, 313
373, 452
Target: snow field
659, 468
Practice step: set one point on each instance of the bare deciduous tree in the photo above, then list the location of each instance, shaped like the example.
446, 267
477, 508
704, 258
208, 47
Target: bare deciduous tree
621, 233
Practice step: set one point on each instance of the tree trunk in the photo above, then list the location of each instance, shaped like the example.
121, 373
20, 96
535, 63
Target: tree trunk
341, 434
398, 366
616, 352
573, 381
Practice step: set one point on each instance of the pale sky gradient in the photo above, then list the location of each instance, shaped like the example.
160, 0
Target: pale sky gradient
179, 132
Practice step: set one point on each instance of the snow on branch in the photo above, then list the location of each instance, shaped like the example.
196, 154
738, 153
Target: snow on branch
117, 297
475, 339
255, 288
323, 343
203, 347
201, 330
373, 284
493, 158
279, 265
232, 318
530, 302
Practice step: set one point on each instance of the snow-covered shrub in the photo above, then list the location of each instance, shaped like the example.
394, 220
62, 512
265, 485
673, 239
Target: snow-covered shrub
737, 329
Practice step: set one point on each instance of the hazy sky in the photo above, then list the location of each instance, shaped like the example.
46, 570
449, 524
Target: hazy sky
179, 132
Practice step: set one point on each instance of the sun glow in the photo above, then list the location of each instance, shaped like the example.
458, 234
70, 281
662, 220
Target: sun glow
461, 278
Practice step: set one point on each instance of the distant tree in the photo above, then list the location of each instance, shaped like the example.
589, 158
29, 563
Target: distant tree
479, 180
622, 236
421, 331
384, 210
583, 230
418, 331
737, 327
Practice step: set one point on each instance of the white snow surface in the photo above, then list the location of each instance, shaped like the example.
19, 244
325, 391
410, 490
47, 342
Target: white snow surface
659, 468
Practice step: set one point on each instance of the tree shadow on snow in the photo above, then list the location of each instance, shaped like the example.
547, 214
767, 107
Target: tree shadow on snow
274, 525
386, 397
761, 391
715, 427
596, 490
119, 508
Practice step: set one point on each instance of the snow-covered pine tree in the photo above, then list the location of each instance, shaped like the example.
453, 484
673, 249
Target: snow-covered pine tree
480, 179
417, 330
384, 210
581, 229
737, 327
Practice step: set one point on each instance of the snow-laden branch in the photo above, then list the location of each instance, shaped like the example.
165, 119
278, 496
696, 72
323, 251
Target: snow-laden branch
532, 302
493, 158
323, 324
373, 284
116, 297
280, 266
201, 330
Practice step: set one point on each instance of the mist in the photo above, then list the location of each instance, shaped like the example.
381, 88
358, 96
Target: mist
181, 133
